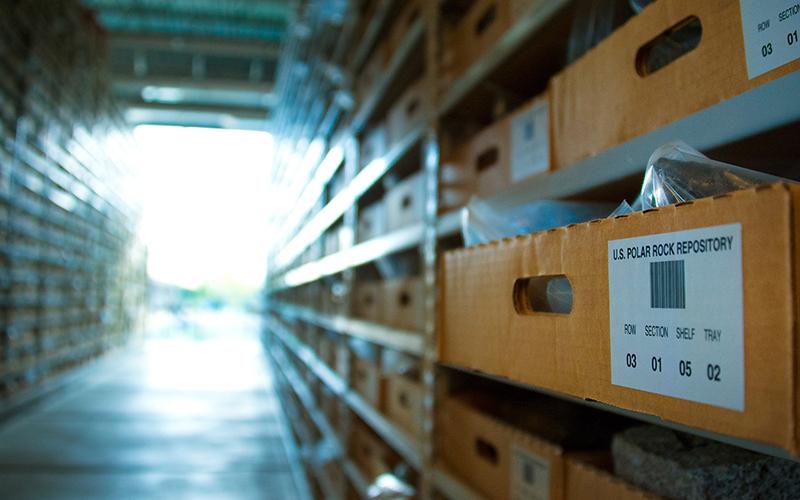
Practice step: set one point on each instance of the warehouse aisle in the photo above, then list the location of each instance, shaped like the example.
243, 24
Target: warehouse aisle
188, 413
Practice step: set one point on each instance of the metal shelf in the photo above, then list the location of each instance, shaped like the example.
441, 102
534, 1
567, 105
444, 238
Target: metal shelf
306, 397
303, 393
307, 356
295, 457
537, 15
371, 34
414, 36
356, 478
644, 417
748, 114
329, 214
451, 487
396, 438
352, 257
401, 340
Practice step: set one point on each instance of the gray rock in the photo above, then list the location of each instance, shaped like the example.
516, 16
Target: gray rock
678, 465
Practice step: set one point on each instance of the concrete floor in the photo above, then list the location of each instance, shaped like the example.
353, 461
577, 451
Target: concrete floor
188, 413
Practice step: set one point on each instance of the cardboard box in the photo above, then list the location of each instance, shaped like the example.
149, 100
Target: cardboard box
374, 145
410, 11
371, 73
404, 404
589, 476
405, 203
494, 458
480, 28
368, 301
603, 100
408, 112
371, 222
507, 152
734, 377
367, 380
404, 303
371, 455
327, 350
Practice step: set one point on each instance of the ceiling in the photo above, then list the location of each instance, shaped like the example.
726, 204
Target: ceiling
209, 63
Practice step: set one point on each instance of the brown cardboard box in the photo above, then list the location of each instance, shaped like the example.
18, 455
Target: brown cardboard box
407, 113
367, 380
368, 301
482, 330
404, 404
494, 458
372, 72
327, 350
405, 203
370, 454
589, 476
480, 28
409, 13
509, 151
601, 100
372, 222
403, 303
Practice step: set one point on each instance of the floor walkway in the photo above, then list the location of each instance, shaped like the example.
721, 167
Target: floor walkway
189, 413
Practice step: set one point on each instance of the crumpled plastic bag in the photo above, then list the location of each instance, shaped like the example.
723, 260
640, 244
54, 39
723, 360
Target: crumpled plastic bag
480, 223
676, 172
390, 487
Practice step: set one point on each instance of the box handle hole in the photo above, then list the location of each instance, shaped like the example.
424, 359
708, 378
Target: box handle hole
405, 299
404, 400
412, 106
670, 45
405, 203
486, 450
487, 159
548, 294
486, 20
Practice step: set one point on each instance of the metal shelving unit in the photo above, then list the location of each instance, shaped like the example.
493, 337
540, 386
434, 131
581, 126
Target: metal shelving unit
401, 340
74, 272
744, 116
396, 438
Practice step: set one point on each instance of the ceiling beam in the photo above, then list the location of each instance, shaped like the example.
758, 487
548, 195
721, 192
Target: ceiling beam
127, 82
187, 118
235, 111
150, 21
275, 10
194, 45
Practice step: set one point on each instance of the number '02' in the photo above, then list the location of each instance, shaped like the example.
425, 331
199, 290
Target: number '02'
713, 372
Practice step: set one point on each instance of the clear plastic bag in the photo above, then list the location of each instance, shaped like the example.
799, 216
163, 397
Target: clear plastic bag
676, 173
481, 223
390, 487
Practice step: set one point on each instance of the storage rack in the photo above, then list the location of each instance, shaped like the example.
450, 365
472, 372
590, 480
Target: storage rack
73, 273
297, 261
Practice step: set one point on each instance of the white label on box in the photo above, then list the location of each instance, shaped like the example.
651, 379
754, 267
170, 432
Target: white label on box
771, 29
530, 476
530, 143
675, 306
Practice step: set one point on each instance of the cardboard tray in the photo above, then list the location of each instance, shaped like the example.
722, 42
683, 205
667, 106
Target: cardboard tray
571, 353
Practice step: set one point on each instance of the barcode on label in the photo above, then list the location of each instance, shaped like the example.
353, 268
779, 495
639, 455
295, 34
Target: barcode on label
667, 285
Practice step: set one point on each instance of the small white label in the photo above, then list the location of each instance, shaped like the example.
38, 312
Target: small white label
675, 305
530, 144
771, 29
530, 476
